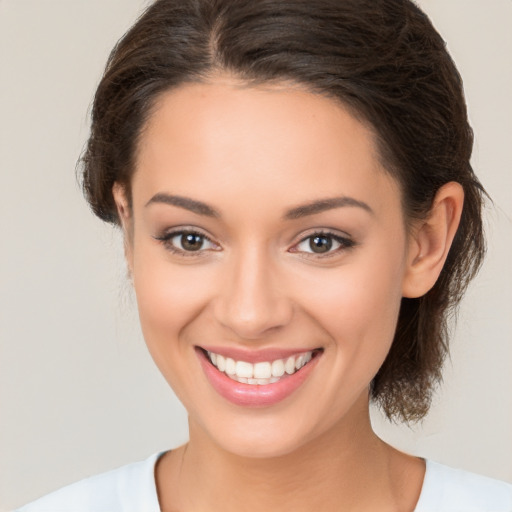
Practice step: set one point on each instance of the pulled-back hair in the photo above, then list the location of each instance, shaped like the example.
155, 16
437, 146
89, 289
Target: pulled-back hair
383, 60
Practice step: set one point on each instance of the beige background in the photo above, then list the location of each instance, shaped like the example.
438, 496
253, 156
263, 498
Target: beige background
78, 392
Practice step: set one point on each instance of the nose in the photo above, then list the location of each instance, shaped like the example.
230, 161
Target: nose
252, 300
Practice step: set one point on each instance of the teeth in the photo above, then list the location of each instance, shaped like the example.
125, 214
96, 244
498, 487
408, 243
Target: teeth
230, 366
221, 363
289, 366
262, 370
278, 368
243, 369
266, 372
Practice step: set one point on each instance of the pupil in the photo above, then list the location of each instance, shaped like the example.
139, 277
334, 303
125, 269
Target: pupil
192, 242
320, 244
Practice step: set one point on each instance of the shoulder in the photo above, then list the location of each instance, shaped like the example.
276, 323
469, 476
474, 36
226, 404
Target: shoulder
447, 489
130, 488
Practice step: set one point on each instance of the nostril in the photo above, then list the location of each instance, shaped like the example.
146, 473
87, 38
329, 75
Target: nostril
255, 322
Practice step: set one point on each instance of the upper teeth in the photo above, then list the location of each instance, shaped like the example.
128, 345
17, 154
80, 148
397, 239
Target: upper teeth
265, 372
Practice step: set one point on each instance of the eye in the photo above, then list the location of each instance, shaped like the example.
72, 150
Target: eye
323, 243
187, 242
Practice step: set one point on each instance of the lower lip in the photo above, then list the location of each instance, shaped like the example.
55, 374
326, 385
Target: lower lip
256, 395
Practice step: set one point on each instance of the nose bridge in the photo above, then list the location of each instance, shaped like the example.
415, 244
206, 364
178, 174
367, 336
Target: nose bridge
251, 301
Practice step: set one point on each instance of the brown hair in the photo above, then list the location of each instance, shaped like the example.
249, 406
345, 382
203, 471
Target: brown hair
381, 58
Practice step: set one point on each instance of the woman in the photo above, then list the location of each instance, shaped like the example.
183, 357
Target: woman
299, 214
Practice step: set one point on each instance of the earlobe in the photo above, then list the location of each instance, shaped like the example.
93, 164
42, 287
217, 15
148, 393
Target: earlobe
125, 217
431, 240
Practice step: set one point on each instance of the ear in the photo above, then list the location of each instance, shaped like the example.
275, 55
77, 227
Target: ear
431, 239
124, 213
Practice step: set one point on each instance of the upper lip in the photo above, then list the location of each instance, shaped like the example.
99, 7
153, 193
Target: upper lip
256, 356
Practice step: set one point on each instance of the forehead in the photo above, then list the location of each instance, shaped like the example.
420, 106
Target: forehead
277, 143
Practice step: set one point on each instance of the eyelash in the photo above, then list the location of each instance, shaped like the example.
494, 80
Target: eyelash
345, 243
167, 238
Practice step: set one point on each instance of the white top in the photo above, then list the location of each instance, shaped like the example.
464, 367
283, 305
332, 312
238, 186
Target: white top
132, 488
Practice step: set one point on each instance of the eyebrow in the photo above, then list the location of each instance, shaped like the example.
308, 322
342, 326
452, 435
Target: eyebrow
184, 202
323, 205
297, 212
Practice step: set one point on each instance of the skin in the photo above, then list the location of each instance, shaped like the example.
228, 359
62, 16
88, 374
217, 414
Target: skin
252, 154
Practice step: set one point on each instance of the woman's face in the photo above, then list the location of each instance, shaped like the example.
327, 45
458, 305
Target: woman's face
264, 228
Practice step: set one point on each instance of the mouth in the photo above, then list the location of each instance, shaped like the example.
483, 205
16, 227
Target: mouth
261, 383
263, 372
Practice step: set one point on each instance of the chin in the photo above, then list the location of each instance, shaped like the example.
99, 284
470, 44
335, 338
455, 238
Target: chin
261, 436
260, 446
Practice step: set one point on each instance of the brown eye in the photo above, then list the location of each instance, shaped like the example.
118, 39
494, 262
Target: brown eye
187, 242
323, 243
320, 244
190, 241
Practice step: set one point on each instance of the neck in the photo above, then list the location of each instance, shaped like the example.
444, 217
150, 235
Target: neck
347, 468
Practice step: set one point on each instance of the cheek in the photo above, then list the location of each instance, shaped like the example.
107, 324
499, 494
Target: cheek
358, 305
169, 297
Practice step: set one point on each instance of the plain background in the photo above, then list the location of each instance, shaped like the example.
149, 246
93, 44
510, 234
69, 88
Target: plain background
78, 391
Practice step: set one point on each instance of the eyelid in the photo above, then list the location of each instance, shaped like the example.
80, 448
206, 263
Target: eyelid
344, 239
166, 239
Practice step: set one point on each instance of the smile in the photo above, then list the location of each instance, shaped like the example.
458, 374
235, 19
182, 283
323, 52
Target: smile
271, 378
261, 373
